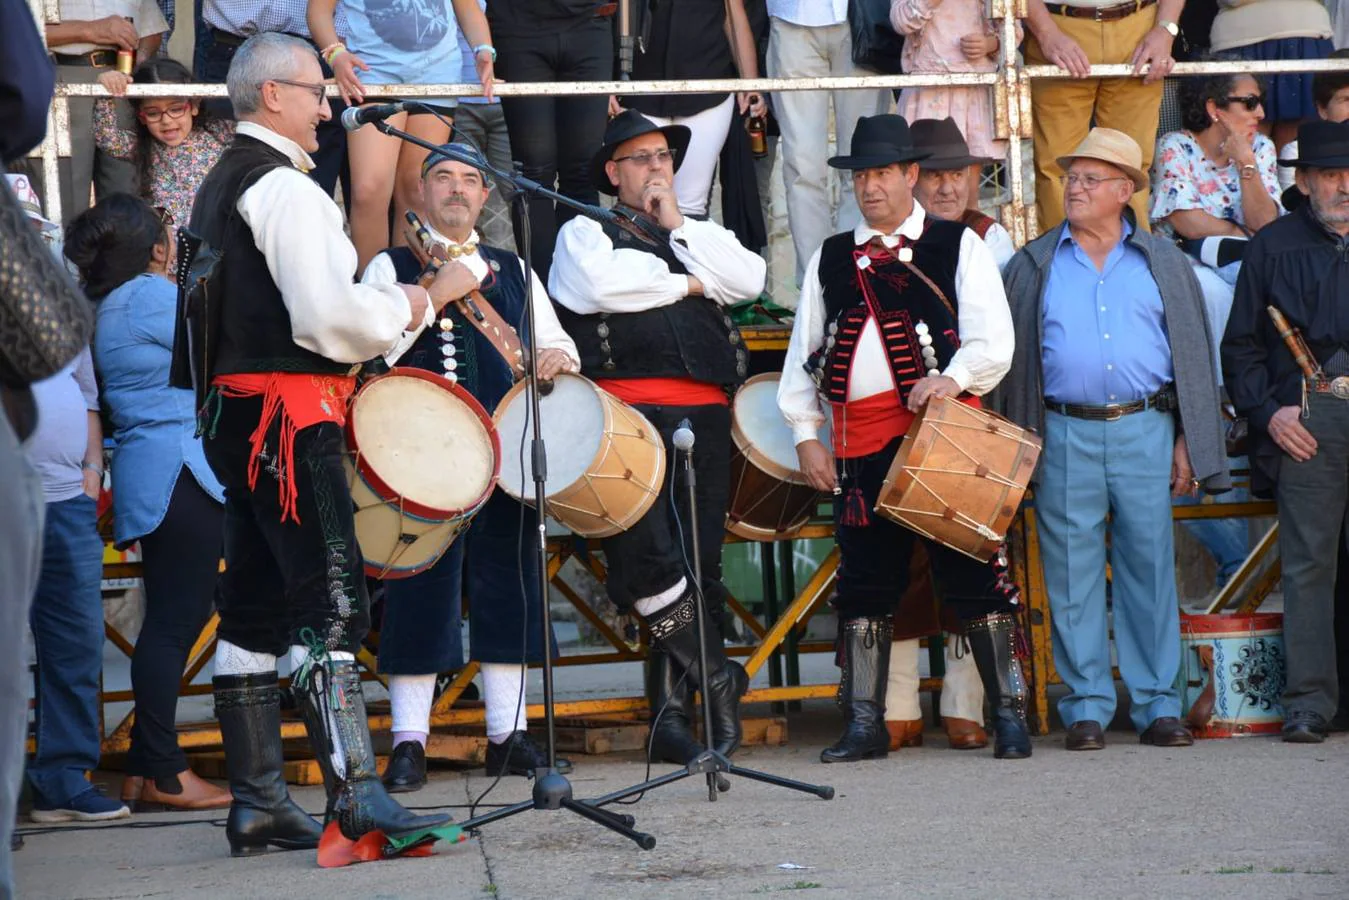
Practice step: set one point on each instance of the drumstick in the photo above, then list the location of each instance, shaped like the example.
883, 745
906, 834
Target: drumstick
1292, 339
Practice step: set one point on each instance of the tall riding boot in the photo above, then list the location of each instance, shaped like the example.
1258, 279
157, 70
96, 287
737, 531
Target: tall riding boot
249, 711
334, 715
673, 738
992, 642
861, 690
675, 630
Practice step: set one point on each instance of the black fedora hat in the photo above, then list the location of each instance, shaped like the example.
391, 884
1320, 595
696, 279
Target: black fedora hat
879, 141
624, 127
945, 145
1321, 145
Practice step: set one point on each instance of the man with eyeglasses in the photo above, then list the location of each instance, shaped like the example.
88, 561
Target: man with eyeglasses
1114, 369
277, 372
646, 309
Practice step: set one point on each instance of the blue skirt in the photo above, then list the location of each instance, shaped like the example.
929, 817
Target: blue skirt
1288, 95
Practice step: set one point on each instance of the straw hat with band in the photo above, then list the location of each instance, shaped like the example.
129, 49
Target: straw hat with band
1114, 148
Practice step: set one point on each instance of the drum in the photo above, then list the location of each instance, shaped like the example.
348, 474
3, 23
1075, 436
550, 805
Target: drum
606, 462
770, 499
424, 458
959, 477
1232, 674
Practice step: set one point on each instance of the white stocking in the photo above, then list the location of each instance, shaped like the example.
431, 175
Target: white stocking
411, 697
648, 606
901, 689
504, 689
962, 692
231, 659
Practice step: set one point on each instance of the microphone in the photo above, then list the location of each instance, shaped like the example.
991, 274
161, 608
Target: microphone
354, 117
683, 436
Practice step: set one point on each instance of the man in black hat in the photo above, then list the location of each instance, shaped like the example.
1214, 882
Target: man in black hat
1300, 264
946, 183
646, 309
935, 289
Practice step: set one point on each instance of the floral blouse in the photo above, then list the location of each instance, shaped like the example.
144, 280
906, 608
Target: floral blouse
175, 172
1184, 178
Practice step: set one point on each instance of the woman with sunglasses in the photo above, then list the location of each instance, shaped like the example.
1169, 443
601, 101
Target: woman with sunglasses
164, 494
175, 141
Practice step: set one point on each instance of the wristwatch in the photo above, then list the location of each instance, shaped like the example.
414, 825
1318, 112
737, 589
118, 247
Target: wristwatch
1248, 171
1170, 28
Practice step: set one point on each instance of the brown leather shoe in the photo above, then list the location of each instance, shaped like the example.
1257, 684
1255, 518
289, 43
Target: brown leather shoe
1085, 735
964, 734
131, 790
193, 793
1166, 731
904, 733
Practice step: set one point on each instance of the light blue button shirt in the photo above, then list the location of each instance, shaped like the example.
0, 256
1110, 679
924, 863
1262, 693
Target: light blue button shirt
1105, 337
153, 425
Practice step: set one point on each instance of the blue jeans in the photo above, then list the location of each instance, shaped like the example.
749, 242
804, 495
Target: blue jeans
67, 622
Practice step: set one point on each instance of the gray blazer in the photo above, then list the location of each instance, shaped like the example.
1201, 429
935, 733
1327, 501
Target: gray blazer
1020, 396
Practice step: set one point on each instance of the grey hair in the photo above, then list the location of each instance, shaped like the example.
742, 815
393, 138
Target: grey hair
266, 56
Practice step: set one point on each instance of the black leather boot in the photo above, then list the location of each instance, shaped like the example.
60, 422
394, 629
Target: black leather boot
334, 715
673, 738
992, 641
675, 630
248, 708
861, 690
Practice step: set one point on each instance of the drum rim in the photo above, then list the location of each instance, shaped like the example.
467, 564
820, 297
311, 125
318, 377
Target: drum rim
751, 453
606, 426
378, 485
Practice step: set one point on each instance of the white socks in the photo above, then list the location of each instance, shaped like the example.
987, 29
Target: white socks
649, 605
504, 694
962, 692
901, 689
411, 697
231, 659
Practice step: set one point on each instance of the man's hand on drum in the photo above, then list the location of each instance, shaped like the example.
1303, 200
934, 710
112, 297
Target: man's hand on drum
817, 464
454, 280
930, 388
1183, 482
551, 362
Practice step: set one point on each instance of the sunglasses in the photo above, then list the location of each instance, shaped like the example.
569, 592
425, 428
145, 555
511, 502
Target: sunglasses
1252, 102
172, 111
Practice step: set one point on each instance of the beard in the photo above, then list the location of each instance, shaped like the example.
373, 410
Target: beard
1334, 210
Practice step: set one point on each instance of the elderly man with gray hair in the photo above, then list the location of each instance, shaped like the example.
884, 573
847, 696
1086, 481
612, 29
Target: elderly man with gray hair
1114, 367
276, 374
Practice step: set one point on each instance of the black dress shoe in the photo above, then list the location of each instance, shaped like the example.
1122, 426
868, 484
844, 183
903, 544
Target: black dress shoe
1085, 735
1302, 726
1166, 731
406, 771
519, 755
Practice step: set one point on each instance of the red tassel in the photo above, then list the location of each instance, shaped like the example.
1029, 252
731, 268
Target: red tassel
855, 510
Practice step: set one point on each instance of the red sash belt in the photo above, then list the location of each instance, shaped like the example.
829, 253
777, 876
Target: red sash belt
862, 427
664, 391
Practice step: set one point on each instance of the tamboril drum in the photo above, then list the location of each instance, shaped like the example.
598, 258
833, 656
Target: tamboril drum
770, 498
424, 459
606, 462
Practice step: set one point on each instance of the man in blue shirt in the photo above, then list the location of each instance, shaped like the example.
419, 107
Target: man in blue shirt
1113, 367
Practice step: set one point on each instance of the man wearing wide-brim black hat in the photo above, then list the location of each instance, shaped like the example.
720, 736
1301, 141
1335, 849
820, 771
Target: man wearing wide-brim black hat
646, 308
903, 309
1300, 264
948, 180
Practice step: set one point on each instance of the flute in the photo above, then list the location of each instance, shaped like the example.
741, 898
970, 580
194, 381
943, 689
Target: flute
1292, 339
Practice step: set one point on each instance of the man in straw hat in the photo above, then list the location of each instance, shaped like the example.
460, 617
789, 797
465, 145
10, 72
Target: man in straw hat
1114, 369
1300, 264
936, 287
647, 311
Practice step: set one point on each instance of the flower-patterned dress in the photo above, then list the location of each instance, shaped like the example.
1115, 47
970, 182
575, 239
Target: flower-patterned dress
176, 173
1184, 178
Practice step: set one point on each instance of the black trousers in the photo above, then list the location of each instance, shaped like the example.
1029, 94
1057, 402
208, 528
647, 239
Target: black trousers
650, 556
181, 562
874, 571
553, 138
287, 583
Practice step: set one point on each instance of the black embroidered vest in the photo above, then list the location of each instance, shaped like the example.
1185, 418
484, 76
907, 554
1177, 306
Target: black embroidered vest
910, 316
691, 338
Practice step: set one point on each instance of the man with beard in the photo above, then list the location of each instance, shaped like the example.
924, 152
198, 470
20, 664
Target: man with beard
1300, 264
647, 313
421, 634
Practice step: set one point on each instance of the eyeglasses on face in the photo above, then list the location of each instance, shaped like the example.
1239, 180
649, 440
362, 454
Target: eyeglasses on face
1252, 102
1087, 182
172, 111
647, 157
318, 89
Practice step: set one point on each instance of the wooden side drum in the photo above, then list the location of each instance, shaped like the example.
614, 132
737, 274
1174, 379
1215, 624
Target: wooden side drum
770, 499
1232, 674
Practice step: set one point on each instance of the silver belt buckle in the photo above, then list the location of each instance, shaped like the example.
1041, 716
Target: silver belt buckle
1339, 387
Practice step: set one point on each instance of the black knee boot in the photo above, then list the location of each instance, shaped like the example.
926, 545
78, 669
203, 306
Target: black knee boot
675, 630
249, 711
992, 641
861, 690
334, 715
673, 738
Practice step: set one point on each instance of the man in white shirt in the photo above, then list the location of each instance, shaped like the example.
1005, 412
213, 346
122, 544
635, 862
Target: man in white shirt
935, 287
277, 362
646, 308
421, 632
811, 38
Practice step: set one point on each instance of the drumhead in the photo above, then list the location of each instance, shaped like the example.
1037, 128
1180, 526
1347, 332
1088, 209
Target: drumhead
573, 428
424, 442
755, 412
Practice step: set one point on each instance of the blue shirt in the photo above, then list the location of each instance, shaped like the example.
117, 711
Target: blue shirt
153, 425
1105, 337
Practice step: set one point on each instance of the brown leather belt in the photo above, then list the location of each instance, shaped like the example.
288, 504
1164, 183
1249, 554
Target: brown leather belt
94, 59
1162, 401
605, 10
1099, 13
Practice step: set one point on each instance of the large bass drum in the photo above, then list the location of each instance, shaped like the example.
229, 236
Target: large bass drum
770, 498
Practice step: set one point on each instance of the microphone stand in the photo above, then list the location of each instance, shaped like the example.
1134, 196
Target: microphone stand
552, 790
